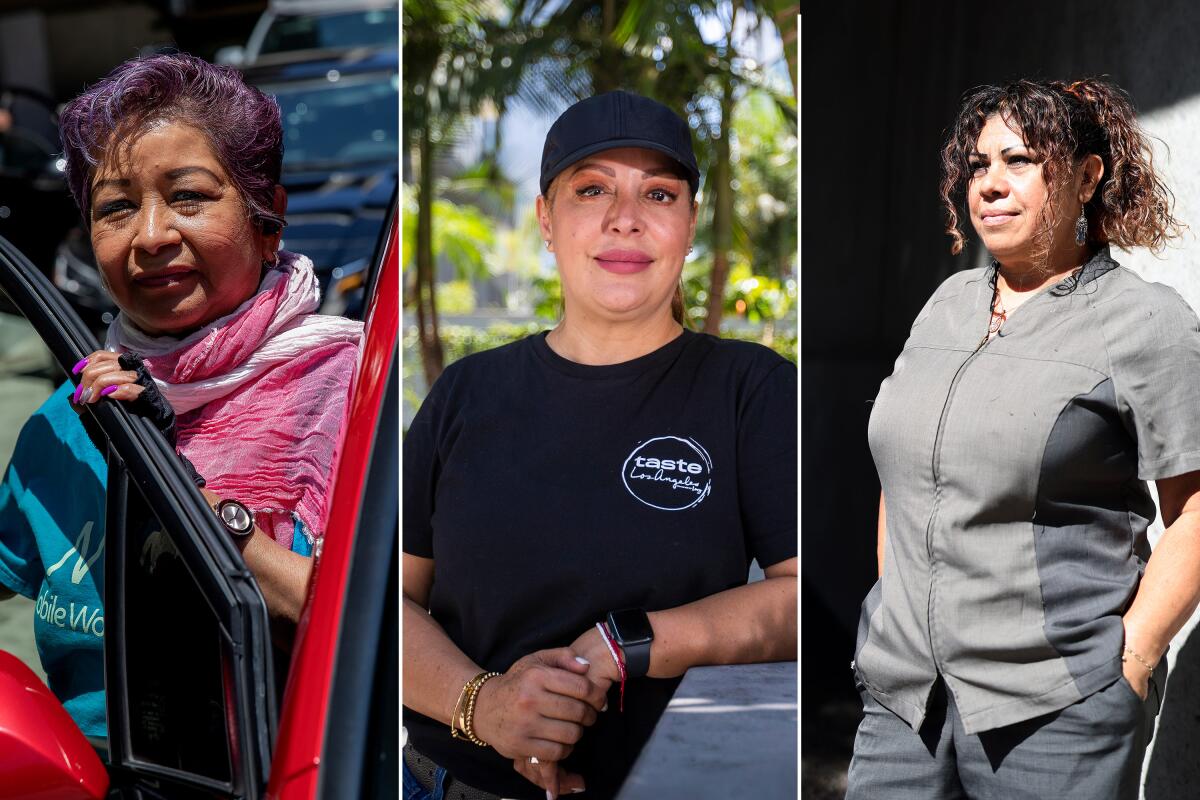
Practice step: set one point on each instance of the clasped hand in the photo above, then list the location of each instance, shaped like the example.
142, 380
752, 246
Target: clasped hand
541, 706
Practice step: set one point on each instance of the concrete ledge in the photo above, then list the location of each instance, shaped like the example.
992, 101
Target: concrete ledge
728, 732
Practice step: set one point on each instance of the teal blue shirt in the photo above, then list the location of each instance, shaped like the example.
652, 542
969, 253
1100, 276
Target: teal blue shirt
52, 500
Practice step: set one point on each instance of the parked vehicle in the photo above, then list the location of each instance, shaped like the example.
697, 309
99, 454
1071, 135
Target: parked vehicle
341, 131
291, 26
196, 704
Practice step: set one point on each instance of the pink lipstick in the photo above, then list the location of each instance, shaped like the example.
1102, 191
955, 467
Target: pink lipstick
624, 262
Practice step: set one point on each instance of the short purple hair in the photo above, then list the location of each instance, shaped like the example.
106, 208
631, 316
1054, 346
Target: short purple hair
241, 124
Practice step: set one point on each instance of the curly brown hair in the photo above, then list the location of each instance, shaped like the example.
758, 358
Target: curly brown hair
1061, 124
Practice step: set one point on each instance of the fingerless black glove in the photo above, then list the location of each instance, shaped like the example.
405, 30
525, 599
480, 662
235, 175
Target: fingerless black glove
151, 405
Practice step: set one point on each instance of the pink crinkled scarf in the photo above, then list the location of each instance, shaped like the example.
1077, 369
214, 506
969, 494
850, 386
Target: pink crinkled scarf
260, 397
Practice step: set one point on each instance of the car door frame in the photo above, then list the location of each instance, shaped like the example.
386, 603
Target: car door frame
327, 746
137, 452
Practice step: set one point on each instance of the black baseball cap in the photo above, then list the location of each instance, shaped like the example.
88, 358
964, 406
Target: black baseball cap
617, 119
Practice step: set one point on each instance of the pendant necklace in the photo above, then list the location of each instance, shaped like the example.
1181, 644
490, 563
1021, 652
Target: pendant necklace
999, 314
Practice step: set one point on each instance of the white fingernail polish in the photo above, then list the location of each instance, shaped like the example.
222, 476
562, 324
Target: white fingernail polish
605, 706
548, 795
583, 661
577, 790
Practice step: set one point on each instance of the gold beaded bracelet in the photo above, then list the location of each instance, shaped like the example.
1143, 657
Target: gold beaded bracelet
456, 715
469, 717
462, 723
1139, 659
458, 718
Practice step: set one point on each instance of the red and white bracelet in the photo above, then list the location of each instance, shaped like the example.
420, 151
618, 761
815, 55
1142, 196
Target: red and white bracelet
616, 654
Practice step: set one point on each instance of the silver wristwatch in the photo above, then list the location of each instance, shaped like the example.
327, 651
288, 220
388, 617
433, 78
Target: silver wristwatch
236, 518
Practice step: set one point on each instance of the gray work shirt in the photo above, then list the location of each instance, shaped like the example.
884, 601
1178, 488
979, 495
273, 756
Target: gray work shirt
1014, 473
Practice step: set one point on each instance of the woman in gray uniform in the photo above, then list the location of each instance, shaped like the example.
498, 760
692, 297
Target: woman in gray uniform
1014, 645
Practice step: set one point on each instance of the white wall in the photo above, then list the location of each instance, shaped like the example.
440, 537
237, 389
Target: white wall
1172, 770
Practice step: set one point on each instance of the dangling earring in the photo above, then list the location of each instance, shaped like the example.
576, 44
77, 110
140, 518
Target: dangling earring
549, 249
1081, 226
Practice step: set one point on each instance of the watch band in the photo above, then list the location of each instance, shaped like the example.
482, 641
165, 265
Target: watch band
630, 629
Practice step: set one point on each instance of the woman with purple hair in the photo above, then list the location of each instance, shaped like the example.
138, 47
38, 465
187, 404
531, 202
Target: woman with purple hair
175, 165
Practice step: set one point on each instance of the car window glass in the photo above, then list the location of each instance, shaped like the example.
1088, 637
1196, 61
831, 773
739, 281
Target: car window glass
379, 768
178, 686
379, 28
339, 120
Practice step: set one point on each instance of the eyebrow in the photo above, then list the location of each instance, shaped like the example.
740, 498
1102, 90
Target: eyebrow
173, 175
650, 173
1005, 151
110, 182
181, 171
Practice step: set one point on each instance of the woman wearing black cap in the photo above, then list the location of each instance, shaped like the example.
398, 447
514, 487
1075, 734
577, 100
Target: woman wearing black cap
592, 497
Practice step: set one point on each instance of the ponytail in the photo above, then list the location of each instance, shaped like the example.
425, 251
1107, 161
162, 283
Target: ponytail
678, 307
1132, 205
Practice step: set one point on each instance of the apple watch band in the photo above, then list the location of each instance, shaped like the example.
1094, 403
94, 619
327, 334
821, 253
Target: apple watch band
631, 630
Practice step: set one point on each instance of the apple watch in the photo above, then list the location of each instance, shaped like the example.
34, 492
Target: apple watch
236, 518
631, 630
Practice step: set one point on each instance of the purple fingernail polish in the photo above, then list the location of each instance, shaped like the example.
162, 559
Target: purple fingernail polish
106, 391
75, 370
75, 396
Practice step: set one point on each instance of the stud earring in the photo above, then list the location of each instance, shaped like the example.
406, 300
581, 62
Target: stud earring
690, 248
1081, 228
549, 249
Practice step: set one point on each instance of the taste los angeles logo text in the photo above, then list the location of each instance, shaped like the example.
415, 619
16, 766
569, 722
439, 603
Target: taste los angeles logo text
669, 473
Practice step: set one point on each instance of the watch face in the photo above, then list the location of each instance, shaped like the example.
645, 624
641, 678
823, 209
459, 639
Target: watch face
631, 626
236, 517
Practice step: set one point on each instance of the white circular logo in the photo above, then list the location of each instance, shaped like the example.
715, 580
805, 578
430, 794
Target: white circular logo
668, 473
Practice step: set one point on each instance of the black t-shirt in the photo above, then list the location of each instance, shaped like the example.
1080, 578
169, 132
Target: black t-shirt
549, 493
